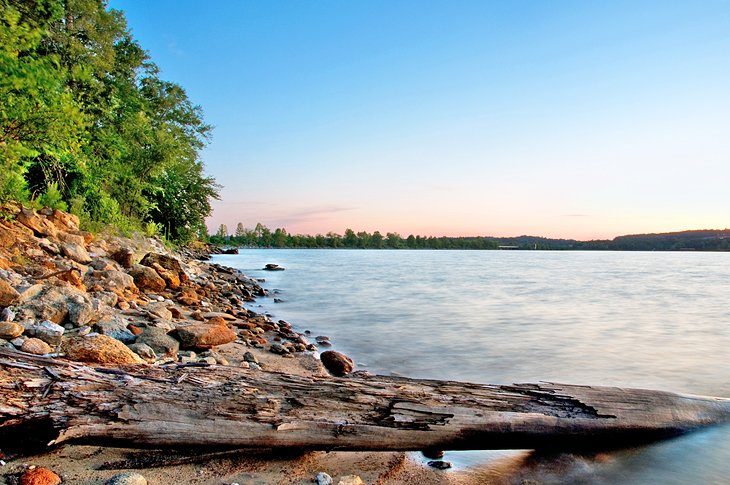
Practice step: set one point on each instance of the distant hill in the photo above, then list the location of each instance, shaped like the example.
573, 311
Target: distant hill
697, 240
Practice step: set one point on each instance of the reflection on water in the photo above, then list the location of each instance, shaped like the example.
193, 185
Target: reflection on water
656, 320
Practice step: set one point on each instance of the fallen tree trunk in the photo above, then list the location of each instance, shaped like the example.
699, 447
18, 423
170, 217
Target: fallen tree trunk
228, 407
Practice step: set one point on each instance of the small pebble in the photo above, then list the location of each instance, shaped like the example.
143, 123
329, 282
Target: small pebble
127, 478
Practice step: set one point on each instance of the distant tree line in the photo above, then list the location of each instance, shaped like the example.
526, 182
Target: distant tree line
263, 237
87, 124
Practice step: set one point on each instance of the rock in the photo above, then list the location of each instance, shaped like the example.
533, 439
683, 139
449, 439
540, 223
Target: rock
124, 257
107, 298
18, 341
100, 349
172, 280
160, 310
273, 267
36, 346
169, 263
146, 278
204, 336
115, 327
4, 344
115, 281
56, 303
278, 349
176, 312
439, 464
7, 315
217, 357
80, 310
64, 221
8, 294
73, 277
323, 479
76, 252
350, 480
67, 237
39, 476
336, 363
10, 330
159, 341
47, 331
127, 478
40, 226
144, 351
433, 454
249, 357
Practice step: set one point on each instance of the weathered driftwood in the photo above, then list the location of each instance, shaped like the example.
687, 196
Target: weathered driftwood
178, 405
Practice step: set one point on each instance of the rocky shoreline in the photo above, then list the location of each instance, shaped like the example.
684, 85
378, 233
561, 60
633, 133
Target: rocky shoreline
111, 300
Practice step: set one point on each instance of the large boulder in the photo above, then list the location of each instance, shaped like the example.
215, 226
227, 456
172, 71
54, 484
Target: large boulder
8, 294
204, 335
169, 263
158, 340
40, 226
57, 304
146, 278
115, 281
99, 349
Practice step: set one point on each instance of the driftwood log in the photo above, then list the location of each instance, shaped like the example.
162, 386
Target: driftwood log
228, 407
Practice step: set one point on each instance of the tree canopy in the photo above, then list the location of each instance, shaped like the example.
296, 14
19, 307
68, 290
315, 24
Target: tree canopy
87, 123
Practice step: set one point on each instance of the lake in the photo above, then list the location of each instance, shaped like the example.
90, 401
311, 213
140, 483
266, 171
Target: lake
637, 319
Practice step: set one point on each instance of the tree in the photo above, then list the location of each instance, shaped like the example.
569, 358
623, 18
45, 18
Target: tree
222, 231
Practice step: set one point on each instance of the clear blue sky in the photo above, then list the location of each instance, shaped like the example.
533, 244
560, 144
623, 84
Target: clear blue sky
576, 119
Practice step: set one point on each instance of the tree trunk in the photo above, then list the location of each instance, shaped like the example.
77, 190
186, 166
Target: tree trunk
181, 405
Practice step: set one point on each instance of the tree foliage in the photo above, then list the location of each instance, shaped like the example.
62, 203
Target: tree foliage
86, 121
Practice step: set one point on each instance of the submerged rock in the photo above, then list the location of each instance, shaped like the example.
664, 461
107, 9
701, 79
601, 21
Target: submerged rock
273, 267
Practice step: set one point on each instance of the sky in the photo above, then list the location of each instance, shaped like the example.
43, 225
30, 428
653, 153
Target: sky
571, 119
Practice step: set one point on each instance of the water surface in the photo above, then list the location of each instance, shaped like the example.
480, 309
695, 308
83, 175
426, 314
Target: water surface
656, 320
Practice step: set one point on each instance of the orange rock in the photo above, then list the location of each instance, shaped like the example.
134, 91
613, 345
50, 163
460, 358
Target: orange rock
100, 349
204, 335
135, 330
217, 321
39, 476
36, 346
8, 294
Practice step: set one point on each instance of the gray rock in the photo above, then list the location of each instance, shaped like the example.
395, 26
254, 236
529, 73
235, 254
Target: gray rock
249, 357
323, 478
159, 309
75, 252
111, 280
278, 349
219, 359
127, 478
115, 327
439, 464
159, 341
144, 351
4, 344
56, 303
7, 315
51, 333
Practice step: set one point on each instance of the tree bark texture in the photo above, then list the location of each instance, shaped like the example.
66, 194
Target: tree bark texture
181, 405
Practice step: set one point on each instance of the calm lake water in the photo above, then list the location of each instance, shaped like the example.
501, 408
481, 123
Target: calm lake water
653, 320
